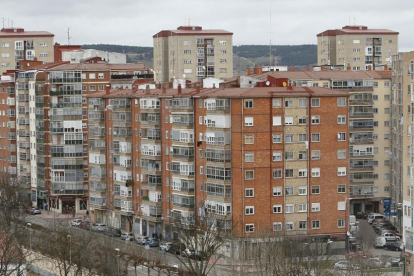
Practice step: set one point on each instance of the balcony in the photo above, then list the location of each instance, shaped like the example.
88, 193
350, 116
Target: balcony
152, 180
151, 211
361, 164
363, 191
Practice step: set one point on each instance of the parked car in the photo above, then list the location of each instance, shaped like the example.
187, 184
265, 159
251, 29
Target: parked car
29, 209
142, 240
128, 236
393, 262
91, 226
177, 248
374, 216
100, 227
152, 242
35, 211
113, 232
345, 265
374, 263
76, 222
385, 230
380, 242
85, 224
390, 237
165, 246
394, 246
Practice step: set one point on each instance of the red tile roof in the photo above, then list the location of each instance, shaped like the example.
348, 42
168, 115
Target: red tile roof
309, 75
357, 30
22, 33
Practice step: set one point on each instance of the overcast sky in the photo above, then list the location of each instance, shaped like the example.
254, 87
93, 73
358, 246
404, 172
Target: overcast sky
134, 22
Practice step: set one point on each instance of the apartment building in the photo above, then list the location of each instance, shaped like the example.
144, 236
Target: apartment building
16, 45
52, 121
402, 145
357, 47
8, 157
263, 160
193, 54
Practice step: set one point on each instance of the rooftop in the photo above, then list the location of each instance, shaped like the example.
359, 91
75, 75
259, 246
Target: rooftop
20, 32
255, 92
357, 30
338, 75
190, 30
65, 65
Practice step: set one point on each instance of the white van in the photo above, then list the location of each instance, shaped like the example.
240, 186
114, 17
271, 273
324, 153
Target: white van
352, 220
373, 216
390, 236
380, 242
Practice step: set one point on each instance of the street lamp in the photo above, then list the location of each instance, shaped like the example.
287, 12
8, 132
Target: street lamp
30, 235
117, 250
70, 249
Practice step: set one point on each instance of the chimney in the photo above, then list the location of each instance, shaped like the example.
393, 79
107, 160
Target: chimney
385, 67
164, 89
179, 89
147, 90
307, 68
248, 71
348, 68
292, 68
107, 89
369, 68
198, 88
214, 85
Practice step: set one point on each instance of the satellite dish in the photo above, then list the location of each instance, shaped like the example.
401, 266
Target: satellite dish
267, 83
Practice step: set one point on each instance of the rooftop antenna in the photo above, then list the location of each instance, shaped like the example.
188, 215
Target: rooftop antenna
69, 36
12, 23
3, 22
270, 37
354, 21
189, 21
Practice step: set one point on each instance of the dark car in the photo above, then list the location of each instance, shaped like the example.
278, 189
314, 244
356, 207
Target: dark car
177, 248
115, 232
393, 246
152, 242
84, 224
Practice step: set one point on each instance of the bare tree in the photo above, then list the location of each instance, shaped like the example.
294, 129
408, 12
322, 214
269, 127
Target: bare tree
14, 242
203, 237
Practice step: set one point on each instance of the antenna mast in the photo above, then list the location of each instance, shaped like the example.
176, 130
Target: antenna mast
69, 36
270, 37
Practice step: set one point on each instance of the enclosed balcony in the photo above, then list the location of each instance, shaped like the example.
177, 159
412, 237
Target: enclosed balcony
361, 124
182, 201
152, 180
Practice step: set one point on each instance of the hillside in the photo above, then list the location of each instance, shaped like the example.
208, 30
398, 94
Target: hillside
297, 55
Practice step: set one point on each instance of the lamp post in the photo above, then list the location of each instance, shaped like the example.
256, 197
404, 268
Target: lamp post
117, 250
30, 235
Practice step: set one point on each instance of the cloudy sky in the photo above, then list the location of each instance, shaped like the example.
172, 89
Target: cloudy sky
134, 22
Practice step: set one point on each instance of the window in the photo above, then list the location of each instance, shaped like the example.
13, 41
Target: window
316, 137
387, 123
303, 155
341, 188
276, 103
303, 190
316, 189
187, 61
249, 157
223, 60
249, 192
288, 120
277, 120
249, 210
341, 136
302, 102
288, 155
277, 156
302, 173
302, 120
303, 224
248, 139
375, 97
248, 104
341, 223
315, 102
289, 138
277, 191
277, 226
250, 228
277, 209
289, 225
288, 190
342, 171
341, 101
288, 103
316, 172
316, 154
289, 173
342, 154
92, 87
277, 138
316, 120
92, 76
303, 207
187, 52
100, 76
387, 97
316, 224
289, 208
277, 173
302, 137
341, 119
249, 175
248, 121
316, 207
